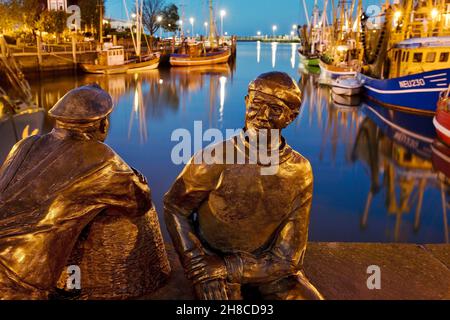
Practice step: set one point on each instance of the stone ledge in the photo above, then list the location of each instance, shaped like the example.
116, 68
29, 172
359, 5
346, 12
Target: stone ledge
339, 271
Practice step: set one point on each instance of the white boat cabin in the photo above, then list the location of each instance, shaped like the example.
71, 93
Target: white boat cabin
112, 56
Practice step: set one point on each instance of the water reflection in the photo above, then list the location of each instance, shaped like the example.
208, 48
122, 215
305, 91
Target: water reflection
138, 111
396, 149
274, 54
441, 163
379, 176
334, 123
258, 51
223, 82
293, 54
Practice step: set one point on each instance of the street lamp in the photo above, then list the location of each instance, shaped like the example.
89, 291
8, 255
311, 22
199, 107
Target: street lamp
434, 13
294, 27
206, 28
223, 13
159, 20
274, 29
192, 20
259, 33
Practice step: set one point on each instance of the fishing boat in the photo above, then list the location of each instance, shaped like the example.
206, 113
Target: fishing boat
346, 86
308, 60
332, 68
442, 119
206, 53
187, 60
311, 36
413, 69
343, 57
334, 71
112, 61
417, 93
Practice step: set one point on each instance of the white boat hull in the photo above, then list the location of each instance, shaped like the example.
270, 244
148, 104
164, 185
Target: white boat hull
346, 91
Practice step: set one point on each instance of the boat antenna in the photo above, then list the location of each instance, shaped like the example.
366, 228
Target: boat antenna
306, 12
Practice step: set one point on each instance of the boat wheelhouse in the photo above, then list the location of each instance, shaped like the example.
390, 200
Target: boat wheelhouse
416, 55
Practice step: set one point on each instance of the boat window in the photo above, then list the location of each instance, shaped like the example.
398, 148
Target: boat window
404, 56
417, 57
407, 56
396, 56
444, 57
431, 56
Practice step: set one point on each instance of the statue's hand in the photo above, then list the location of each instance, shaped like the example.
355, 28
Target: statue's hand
211, 290
205, 268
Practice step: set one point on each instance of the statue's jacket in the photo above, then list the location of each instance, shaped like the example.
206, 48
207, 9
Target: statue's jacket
66, 199
237, 210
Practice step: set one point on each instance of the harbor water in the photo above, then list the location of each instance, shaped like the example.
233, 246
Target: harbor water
376, 177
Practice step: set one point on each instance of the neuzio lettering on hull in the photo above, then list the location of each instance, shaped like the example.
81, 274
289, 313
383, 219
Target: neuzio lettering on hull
412, 83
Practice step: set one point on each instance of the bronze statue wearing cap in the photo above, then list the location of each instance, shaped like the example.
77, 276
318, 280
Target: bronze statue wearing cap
241, 234
66, 198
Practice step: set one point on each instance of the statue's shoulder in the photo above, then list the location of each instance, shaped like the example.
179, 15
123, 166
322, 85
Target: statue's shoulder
23, 145
300, 162
99, 153
105, 151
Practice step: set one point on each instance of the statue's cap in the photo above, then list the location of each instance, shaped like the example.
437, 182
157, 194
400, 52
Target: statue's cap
279, 85
82, 105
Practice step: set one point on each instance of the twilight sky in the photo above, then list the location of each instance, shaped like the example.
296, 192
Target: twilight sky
244, 17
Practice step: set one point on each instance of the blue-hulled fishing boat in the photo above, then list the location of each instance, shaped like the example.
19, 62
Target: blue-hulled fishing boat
412, 64
417, 93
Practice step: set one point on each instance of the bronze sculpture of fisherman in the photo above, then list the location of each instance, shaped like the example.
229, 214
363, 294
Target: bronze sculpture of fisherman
238, 232
67, 198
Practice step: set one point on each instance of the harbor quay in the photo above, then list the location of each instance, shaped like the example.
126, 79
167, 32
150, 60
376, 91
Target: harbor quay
342, 271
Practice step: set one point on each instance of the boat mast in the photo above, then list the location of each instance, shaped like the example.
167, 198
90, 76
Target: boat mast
128, 17
324, 24
407, 11
314, 26
139, 9
212, 25
100, 6
359, 13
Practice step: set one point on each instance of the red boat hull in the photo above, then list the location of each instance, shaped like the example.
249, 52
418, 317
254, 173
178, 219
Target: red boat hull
442, 124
